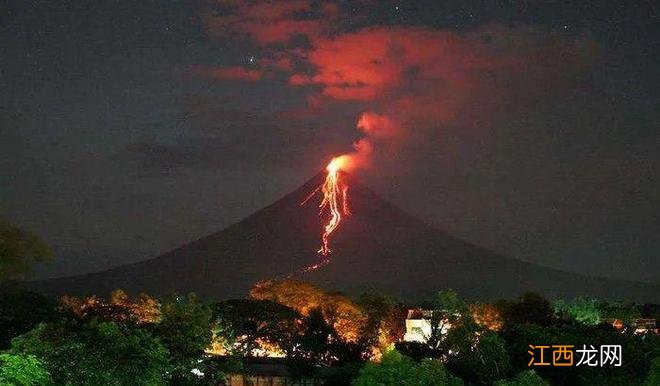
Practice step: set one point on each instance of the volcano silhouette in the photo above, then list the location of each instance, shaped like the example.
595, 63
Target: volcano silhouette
380, 247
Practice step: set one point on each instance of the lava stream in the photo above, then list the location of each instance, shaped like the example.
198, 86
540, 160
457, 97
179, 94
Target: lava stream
334, 202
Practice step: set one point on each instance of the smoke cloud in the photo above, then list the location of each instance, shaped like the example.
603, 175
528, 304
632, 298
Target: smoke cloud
415, 83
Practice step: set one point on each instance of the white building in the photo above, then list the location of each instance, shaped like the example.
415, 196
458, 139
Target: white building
419, 327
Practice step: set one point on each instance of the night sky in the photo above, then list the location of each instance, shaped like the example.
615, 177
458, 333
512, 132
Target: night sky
128, 128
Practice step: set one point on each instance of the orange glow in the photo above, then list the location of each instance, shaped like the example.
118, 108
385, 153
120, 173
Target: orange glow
334, 165
487, 315
334, 205
335, 201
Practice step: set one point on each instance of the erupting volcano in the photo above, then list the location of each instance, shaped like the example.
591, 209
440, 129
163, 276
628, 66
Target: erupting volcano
334, 205
380, 248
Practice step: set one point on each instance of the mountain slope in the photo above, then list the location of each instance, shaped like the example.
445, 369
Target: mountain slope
379, 247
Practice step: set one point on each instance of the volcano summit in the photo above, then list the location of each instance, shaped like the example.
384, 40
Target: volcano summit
379, 247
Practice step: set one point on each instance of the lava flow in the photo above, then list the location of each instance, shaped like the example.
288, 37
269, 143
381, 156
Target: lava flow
334, 203
335, 200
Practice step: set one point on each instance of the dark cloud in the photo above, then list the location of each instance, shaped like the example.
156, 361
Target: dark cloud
219, 137
269, 22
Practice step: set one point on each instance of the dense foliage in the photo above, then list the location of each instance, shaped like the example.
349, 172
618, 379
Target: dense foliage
145, 310
96, 353
637, 352
346, 317
654, 373
242, 326
396, 369
525, 378
20, 311
19, 249
123, 341
22, 370
581, 310
185, 330
317, 334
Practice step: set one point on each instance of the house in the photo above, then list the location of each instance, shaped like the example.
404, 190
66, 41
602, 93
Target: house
642, 326
419, 325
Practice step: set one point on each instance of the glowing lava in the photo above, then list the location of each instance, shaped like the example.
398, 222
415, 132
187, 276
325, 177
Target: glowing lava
335, 200
334, 204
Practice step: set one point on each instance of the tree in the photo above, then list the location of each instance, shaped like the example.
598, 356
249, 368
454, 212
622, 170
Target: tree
119, 308
20, 311
314, 346
346, 317
625, 312
487, 316
637, 352
451, 303
582, 310
416, 350
530, 308
316, 340
385, 324
650, 311
472, 351
449, 310
397, 369
653, 379
476, 356
245, 325
318, 344
22, 370
185, 329
18, 251
525, 378
96, 353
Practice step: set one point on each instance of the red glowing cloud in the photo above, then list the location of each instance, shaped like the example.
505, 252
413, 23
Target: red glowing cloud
234, 72
266, 22
420, 81
378, 126
432, 66
414, 81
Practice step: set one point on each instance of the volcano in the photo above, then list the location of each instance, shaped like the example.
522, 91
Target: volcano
380, 247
